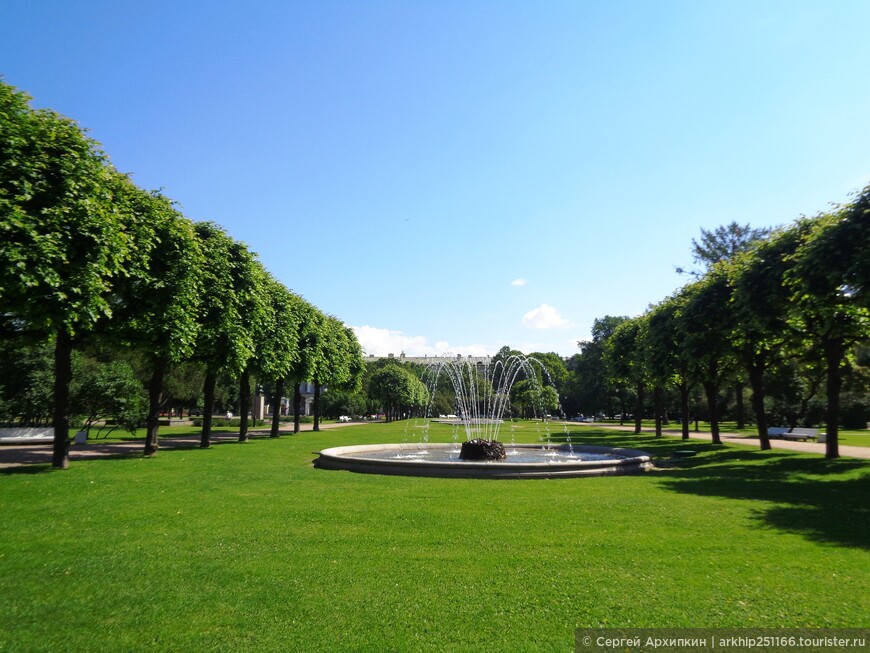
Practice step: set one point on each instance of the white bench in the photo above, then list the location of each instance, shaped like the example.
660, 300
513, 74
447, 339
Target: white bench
802, 434
796, 434
27, 435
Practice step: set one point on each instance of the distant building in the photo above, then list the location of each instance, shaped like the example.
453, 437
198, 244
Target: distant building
305, 409
479, 362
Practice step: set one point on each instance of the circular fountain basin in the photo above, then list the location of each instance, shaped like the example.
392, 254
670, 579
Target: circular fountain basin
523, 461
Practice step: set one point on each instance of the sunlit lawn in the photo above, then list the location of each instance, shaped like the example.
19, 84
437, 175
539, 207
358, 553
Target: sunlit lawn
247, 547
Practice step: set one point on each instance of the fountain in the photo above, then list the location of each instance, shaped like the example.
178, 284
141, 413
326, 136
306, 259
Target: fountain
482, 401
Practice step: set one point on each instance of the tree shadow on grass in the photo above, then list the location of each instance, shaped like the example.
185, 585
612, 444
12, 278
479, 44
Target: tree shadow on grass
37, 458
662, 448
823, 500
26, 470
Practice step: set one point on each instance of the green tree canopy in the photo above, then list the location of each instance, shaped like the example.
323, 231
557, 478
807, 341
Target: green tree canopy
623, 358
157, 304
106, 390
760, 301
704, 328
225, 341
398, 390
63, 240
825, 307
277, 345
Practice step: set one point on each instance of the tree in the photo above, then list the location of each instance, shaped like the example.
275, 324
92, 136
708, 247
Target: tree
723, 244
257, 312
224, 341
25, 381
552, 372
315, 347
183, 385
63, 241
338, 361
720, 246
663, 358
826, 307
277, 345
398, 390
156, 306
533, 399
592, 392
106, 390
704, 326
624, 362
855, 228
760, 302
311, 326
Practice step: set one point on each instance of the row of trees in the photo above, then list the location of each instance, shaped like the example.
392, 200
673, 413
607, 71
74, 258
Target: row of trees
85, 254
791, 304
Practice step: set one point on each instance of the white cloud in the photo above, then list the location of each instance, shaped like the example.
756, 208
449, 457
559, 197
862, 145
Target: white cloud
380, 342
519, 282
544, 317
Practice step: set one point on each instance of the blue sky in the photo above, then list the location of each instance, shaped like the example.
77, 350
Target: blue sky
458, 176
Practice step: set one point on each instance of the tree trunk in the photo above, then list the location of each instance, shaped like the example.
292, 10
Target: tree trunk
622, 410
711, 388
297, 407
244, 403
316, 406
155, 389
60, 419
684, 408
657, 408
833, 384
208, 408
277, 395
638, 409
738, 405
756, 381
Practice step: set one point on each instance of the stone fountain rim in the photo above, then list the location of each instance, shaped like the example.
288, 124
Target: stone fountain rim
630, 461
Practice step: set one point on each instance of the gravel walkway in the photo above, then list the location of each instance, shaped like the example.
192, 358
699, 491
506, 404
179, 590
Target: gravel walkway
792, 445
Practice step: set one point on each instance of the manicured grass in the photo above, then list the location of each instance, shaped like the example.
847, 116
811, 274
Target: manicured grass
247, 547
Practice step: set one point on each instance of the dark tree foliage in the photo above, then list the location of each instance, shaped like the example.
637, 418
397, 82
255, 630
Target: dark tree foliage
704, 327
827, 303
625, 366
592, 393
26, 382
723, 244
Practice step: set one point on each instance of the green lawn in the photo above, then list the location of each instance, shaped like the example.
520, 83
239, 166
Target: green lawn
247, 547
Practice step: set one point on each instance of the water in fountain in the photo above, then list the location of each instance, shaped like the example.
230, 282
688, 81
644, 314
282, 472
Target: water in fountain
483, 394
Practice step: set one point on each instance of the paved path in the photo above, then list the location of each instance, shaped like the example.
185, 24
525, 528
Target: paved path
34, 454
735, 438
